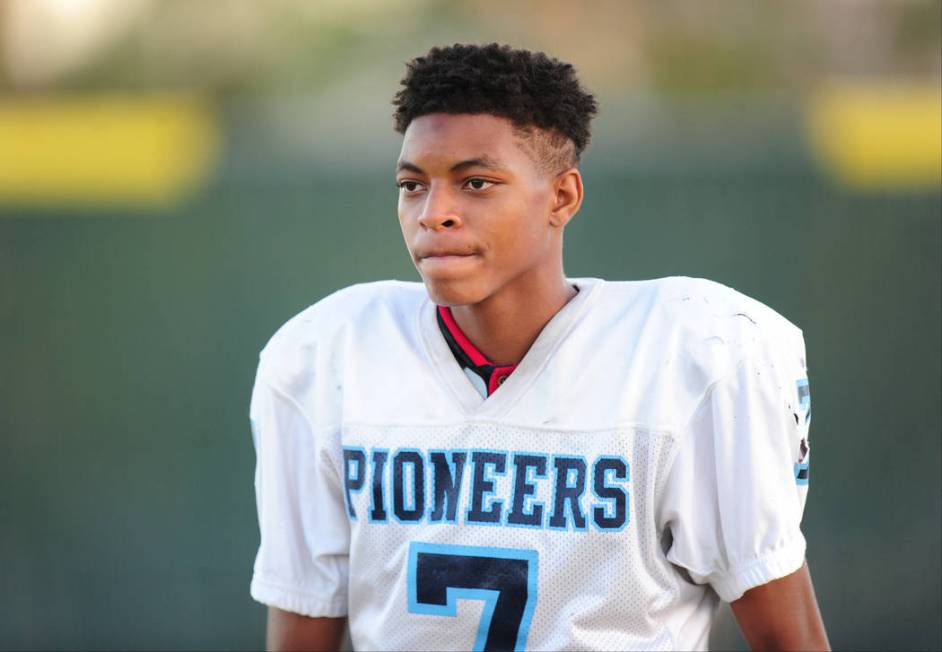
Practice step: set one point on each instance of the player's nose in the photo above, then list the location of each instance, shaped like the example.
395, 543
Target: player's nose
439, 212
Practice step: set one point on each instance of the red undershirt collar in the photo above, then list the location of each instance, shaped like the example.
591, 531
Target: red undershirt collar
468, 355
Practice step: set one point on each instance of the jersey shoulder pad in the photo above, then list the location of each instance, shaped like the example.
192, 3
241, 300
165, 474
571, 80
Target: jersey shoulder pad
298, 347
721, 327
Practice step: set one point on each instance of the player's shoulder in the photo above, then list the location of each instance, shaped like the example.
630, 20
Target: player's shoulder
344, 309
708, 320
697, 303
354, 308
704, 304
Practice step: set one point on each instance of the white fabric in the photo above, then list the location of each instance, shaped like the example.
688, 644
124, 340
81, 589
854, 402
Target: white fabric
306, 571
664, 413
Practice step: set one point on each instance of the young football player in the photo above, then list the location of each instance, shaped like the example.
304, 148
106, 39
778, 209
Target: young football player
504, 458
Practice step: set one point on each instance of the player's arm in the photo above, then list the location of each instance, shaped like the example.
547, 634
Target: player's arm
782, 615
290, 631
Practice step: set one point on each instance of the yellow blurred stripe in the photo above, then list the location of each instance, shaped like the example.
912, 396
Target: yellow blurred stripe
879, 135
104, 149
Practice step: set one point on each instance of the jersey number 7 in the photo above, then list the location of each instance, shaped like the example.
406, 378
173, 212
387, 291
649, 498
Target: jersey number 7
504, 578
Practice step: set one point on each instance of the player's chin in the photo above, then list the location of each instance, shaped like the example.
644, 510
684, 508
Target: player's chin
445, 291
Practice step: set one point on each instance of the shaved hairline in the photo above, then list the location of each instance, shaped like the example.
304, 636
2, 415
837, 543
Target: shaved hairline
552, 151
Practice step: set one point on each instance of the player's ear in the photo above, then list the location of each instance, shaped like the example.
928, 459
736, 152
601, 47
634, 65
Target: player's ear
567, 197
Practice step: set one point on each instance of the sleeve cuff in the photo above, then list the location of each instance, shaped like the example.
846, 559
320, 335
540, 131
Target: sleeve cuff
770, 566
299, 602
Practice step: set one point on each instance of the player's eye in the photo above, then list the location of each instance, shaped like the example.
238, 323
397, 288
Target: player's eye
478, 184
408, 186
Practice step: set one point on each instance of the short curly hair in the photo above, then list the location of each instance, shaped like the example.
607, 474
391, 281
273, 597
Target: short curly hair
531, 89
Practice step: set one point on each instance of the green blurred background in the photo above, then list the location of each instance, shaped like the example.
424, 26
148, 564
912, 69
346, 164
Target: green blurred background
177, 179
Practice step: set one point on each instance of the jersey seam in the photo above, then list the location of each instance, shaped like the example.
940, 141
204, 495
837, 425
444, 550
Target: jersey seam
708, 391
661, 431
308, 422
683, 432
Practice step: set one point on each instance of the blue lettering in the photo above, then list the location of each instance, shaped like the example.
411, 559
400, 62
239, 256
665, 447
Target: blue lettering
482, 486
412, 513
613, 514
353, 481
524, 512
378, 507
569, 487
397, 482
446, 484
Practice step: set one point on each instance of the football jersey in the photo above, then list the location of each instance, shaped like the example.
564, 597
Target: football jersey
646, 459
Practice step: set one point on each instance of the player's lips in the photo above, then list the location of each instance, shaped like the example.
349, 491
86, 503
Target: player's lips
445, 256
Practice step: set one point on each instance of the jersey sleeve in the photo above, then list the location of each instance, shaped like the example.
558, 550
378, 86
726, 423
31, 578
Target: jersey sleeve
302, 562
735, 494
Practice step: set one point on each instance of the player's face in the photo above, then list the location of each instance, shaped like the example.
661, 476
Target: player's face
474, 207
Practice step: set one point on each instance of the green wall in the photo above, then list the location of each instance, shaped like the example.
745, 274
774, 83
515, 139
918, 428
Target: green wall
128, 344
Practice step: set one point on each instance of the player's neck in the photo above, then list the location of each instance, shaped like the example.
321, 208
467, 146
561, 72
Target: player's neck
505, 325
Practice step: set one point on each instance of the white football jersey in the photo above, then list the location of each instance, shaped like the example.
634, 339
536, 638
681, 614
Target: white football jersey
647, 458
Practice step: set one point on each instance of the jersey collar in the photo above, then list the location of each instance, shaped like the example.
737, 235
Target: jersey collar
451, 374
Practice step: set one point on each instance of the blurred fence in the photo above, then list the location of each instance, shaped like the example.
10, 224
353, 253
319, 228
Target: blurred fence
129, 335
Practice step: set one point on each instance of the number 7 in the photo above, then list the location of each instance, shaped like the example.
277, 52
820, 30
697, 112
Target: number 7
504, 578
